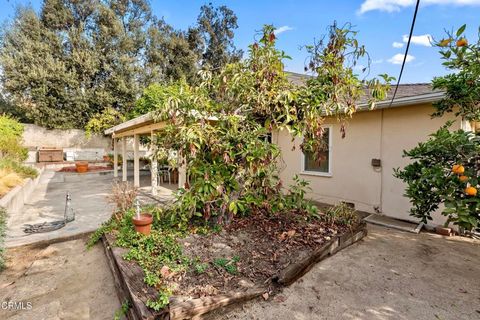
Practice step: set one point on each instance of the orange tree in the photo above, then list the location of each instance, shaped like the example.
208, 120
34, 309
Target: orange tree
221, 127
445, 170
446, 167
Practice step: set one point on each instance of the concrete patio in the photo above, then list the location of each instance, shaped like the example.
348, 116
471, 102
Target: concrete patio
88, 192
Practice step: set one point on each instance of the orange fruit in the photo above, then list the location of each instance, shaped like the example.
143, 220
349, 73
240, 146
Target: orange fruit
462, 42
471, 191
458, 169
463, 178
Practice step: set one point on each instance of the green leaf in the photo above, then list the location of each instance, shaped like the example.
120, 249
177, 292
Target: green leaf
461, 30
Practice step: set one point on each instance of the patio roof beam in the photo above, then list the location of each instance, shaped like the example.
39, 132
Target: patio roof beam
143, 130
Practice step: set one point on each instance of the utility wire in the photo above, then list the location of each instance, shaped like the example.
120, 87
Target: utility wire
406, 51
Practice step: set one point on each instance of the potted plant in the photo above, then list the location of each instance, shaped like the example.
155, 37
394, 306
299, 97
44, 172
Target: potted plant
81, 166
142, 221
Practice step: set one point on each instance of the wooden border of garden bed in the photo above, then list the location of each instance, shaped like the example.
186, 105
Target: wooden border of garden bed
130, 287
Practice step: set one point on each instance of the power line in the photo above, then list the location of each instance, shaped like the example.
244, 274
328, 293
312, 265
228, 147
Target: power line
406, 51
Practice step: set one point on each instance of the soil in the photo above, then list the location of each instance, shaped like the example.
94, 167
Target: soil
59, 281
255, 249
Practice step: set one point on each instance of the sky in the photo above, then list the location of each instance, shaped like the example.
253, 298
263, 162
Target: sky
382, 25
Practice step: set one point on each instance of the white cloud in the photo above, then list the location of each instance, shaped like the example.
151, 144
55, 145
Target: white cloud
422, 40
398, 58
397, 45
397, 5
282, 29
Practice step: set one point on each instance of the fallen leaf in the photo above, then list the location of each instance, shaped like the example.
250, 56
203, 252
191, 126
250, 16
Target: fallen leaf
165, 271
265, 296
291, 233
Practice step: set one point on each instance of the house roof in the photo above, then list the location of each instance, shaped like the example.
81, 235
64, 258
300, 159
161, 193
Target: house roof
407, 94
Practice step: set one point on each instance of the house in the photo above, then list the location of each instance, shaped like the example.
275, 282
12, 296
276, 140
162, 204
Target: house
358, 169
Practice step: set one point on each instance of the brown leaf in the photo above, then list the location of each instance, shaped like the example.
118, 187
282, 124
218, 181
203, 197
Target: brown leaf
265, 296
165, 271
291, 233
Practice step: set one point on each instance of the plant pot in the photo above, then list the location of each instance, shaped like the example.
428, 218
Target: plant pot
443, 231
144, 224
81, 167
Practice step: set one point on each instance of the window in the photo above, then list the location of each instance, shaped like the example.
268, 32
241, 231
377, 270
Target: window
322, 166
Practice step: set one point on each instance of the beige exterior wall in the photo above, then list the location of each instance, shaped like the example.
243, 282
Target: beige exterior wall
381, 134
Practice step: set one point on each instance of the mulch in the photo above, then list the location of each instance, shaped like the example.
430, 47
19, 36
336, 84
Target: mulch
263, 245
90, 169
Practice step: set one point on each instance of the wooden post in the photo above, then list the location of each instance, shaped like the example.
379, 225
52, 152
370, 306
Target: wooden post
124, 159
154, 164
182, 171
115, 157
136, 161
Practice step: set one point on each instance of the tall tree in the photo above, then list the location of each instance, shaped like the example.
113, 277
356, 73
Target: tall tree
217, 25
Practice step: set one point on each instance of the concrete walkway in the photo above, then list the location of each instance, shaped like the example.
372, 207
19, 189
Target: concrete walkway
47, 203
88, 192
389, 275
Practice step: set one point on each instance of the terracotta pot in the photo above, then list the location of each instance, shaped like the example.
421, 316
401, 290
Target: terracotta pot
144, 224
81, 167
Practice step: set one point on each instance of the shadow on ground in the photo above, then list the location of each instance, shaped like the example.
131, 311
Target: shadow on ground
389, 275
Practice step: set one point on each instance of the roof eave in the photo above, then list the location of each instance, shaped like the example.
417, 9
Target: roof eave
405, 101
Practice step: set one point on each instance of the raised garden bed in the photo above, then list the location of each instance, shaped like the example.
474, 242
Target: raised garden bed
252, 257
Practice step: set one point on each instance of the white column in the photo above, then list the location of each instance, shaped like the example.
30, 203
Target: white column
154, 164
115, 157
124, 159
182, 172
136, 161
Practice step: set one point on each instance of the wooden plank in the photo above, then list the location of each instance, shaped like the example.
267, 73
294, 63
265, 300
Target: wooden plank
143, 130
297, 269
196, 307
136, 161
124, 159
131, 276
115, 157
122, 293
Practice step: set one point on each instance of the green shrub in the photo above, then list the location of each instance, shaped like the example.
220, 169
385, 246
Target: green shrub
11, 139
108, 118
341, 214
431, 181
23, 170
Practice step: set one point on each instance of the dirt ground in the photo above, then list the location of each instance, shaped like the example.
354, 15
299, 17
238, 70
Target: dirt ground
58, 281
254, 249
388, 275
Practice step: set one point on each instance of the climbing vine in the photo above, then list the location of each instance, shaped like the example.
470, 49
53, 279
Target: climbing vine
221, 128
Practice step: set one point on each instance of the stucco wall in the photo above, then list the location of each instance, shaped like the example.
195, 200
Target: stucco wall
353, 178
36, 136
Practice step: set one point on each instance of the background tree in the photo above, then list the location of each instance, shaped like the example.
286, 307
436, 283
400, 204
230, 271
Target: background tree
68, 63
217, 27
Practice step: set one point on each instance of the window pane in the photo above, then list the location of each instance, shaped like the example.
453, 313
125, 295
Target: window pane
322, 164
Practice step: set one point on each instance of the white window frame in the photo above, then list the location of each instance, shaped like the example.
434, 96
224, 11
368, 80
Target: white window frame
330, 163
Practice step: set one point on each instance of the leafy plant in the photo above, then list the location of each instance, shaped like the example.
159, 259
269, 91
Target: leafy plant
109, 117
462, 87
162, 300
431, 179
122, 311
229, 265
200, 267
341, 214
11, 139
